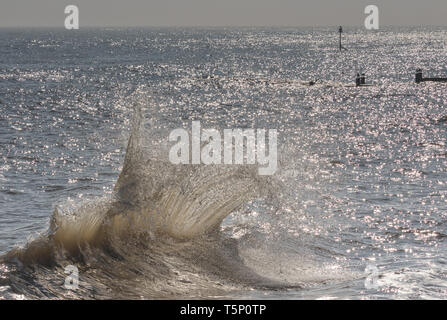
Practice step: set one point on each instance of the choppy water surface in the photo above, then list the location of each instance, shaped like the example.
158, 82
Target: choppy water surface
361, 182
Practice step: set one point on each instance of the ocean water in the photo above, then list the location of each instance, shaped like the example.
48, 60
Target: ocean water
356, 210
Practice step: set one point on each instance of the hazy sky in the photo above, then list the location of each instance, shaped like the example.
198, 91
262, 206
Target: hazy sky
25, 13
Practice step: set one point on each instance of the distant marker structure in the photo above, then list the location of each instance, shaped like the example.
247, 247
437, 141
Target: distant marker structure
420, 77
360, 80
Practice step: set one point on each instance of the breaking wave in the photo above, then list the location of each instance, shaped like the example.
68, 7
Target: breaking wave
158, 236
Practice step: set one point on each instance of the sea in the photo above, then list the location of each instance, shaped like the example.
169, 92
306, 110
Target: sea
91, 207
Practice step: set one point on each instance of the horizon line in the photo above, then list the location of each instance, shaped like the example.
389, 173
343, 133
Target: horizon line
219, 26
